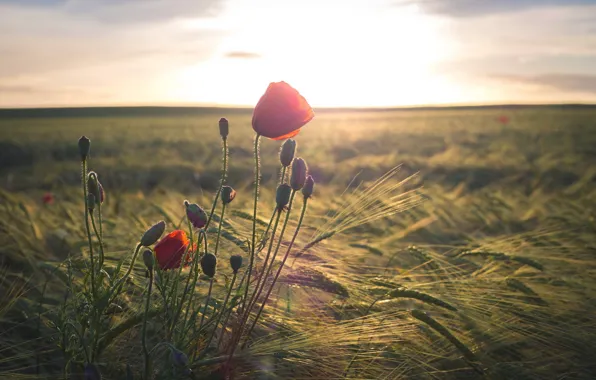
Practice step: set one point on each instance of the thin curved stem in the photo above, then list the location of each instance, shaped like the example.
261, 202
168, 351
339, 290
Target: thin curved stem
187, 285
223, 310
221, 221
98, 234
261, 240
202, 235
222, 182
282, 178
206, 303
254, 219
267, 270
278, 270
144, 333
87, 228
120, 282
261, 278
250, 304
100, 220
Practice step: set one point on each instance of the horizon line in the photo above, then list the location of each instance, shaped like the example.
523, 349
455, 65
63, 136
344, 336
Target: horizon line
324, 108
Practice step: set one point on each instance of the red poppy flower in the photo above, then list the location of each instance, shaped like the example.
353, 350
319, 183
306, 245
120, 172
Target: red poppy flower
48, 198
170, 249
281, 112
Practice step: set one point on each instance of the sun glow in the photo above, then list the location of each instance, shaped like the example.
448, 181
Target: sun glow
364, 54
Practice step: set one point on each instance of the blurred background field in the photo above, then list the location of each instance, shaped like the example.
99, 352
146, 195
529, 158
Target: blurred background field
500, 225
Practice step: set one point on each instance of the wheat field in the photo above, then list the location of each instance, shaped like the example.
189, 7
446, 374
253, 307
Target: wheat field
440, 243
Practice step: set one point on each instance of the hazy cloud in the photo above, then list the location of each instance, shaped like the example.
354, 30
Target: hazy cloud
125, 11
471, 8
242, 55
563, 82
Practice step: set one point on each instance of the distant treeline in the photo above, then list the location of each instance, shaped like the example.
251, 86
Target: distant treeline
154, 111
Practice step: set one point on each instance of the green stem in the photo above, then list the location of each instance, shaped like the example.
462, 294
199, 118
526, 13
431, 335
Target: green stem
187, 285
223, 310
254, 219
203, 235
278, 270
252, 301
246, 312
281, 235
98, 234
221, 221
87, 228
173, 295
100, 220
282, 178
224, 172
144, 333
206, 303
261, 241
117, 286
223, 327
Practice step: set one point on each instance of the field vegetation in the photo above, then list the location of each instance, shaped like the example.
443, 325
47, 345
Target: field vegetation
438, 244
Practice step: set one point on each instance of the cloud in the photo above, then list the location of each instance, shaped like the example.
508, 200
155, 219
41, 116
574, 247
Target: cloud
242, 55
574, 83
125, 11
50, 53
472, 8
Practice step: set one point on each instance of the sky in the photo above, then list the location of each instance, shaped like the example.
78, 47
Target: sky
337, 53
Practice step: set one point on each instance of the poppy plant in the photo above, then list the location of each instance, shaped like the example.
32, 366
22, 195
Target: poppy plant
170, 250
281, 112
503, 119
47, 198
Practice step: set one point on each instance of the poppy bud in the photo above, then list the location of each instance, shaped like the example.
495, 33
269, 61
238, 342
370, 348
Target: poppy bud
308, 187
179, 358
298, 176
95, 187
235, 262
208, 263
90, 201
283, 195
196, 215
286, 155
153, 233
224, 128
91, 372
227, 194
84, 146
148, 259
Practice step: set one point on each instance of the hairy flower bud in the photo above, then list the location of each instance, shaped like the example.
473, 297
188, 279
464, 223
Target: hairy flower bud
227, 194
84, 147
308, 187
196, 215
148, 259
95, 187
298, 176
153, 233
224, 128
282, 197
208, 264
179, 358
92, 372
288, 149
235, 262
